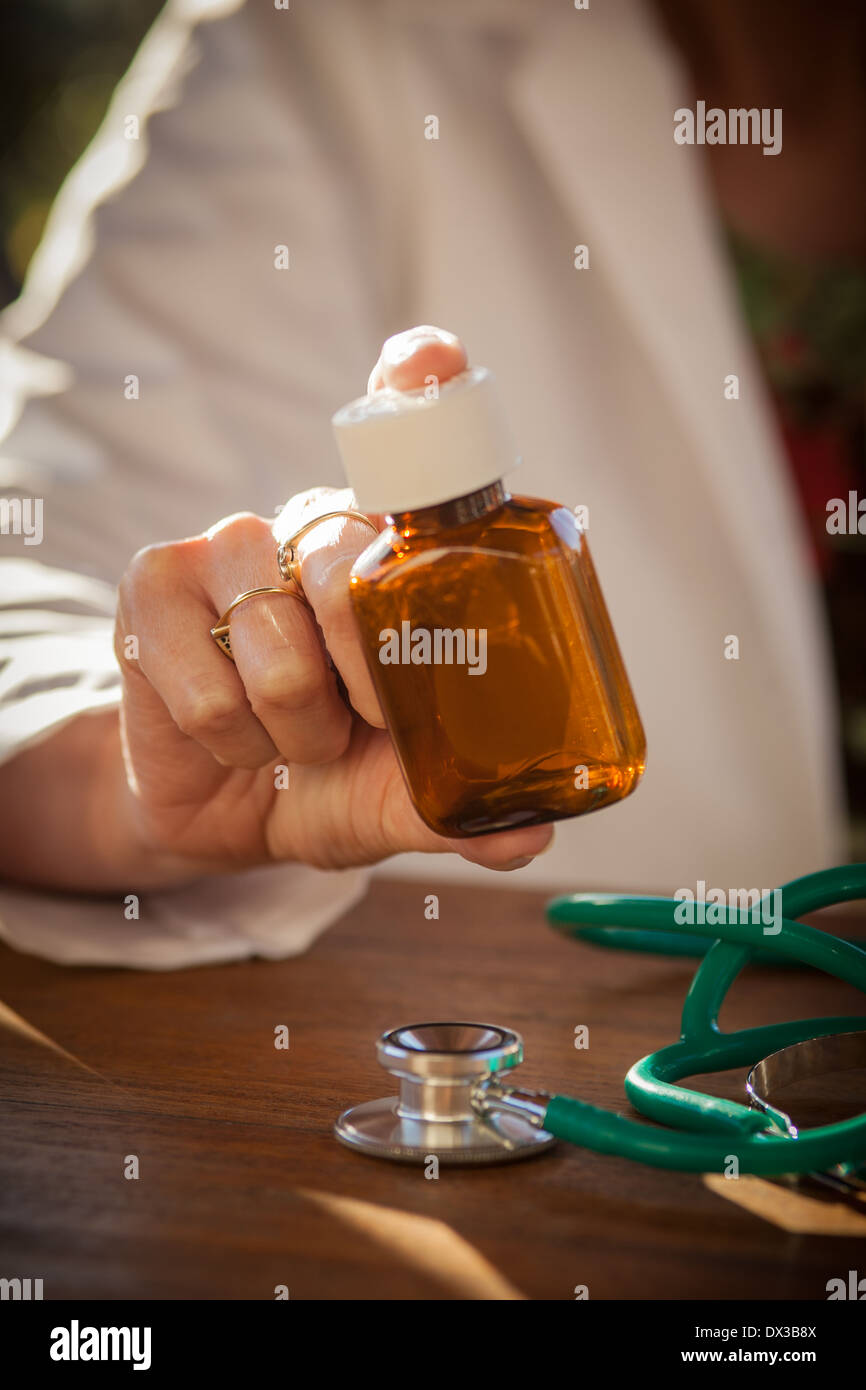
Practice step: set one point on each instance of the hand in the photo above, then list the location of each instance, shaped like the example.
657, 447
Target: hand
210, 745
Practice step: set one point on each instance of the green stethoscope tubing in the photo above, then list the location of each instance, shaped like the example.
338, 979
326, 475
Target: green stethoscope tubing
721, 1129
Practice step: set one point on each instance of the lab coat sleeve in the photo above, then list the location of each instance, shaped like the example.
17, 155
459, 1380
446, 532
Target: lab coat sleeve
196, 311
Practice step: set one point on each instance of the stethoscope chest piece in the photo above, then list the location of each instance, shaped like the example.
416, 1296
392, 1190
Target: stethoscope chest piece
446, 1071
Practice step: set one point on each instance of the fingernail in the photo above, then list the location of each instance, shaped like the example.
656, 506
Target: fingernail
518, 863
400, 346
403, 345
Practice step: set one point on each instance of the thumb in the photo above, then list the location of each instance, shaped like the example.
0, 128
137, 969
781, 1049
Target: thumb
409, 358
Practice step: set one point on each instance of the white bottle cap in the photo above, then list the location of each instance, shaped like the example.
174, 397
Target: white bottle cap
402, 451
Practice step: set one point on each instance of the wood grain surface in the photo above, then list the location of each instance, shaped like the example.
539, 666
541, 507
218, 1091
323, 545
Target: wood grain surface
242, 1186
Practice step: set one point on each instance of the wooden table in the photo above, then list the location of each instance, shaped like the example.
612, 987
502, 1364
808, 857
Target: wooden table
242, 1187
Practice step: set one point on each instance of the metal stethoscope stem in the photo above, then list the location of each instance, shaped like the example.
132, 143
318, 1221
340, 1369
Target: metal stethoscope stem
491, 1097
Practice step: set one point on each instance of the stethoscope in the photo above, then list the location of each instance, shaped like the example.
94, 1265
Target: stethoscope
454, 1106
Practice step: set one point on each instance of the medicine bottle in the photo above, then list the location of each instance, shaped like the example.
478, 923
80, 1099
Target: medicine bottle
482, 621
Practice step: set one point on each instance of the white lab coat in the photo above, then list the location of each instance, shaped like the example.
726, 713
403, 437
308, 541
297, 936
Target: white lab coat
308, 128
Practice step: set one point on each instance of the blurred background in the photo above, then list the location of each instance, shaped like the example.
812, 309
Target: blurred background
59, 62
793, 232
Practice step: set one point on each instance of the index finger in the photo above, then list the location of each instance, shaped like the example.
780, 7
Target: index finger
328, 552
325, 556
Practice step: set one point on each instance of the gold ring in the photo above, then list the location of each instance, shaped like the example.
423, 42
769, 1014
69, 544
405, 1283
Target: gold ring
220, 631
287, 562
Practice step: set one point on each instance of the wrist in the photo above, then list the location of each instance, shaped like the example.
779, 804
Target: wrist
69, 816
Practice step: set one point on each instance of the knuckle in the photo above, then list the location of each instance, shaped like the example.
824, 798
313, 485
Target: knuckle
148, 567
285, 685
312, 496
303, 506
204, 714
241, 528
152, 571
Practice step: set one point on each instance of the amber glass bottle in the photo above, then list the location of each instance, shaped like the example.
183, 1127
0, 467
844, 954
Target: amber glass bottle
482, 621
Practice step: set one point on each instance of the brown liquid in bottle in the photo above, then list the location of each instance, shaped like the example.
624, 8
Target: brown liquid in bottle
549, 728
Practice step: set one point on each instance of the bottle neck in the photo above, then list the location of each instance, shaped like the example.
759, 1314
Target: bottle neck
446, 515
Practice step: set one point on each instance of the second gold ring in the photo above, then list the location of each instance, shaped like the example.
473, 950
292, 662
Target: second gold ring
287, 556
